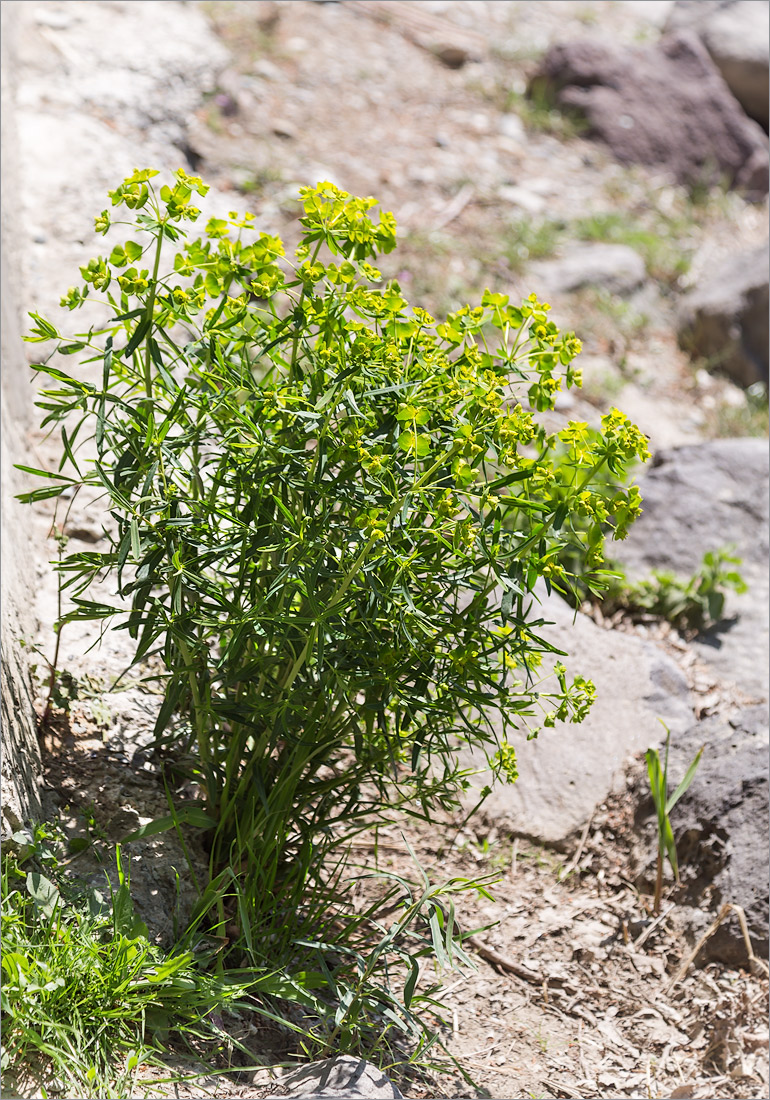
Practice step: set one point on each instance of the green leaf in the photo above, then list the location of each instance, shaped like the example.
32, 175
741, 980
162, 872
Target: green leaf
41, 494
657, 788
43, 330
418, 445
670, 847
43, 892
44, 473
688, 778
190, 815
411, 981
136, 546
139, 334
122, 911
509, 479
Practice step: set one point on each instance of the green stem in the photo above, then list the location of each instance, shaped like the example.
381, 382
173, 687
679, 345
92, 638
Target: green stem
150, 310
596, 466
295, 342
658, 884
197, 705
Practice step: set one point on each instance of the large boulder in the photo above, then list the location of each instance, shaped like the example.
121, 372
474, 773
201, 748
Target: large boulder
700, 498
735, 33
724, 320
342, 1077
612, 267
20, 750
721, 831
568, 770
666, 106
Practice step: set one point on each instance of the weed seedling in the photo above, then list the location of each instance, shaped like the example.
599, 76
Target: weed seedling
658, 778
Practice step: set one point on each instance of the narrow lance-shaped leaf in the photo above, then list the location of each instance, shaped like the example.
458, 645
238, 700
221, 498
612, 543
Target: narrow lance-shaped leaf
688, 778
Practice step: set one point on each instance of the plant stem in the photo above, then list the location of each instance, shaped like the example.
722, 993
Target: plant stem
55, 663
150, 309
658, 884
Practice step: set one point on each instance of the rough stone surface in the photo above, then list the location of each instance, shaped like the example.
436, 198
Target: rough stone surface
613, 267
664, 106
20, 751
721, 830
700, 498
724, 320
735, 33
568, 770
344, 1078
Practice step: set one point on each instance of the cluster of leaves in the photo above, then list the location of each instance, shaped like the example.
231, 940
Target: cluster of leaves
84, 991
692, 604
329, 514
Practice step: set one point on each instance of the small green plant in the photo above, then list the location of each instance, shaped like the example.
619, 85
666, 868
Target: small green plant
748, 417
525, 241
664, 258
329, 513
539, 113
84, 991
658, 778
691, 604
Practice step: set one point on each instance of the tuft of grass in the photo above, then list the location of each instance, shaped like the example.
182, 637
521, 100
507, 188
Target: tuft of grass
85, 995
665, 258
749, 418
528, 240
540, 115
664, 804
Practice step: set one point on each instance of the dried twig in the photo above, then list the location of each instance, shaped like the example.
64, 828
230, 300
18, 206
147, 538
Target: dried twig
455, 206
644, 936
578, 851
757, 966
504, 963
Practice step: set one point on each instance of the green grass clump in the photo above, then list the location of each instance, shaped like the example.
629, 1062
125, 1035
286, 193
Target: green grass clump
527, 240
664, 257
747, 418
87, 1000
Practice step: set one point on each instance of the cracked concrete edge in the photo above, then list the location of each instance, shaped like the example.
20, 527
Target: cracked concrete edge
21, 763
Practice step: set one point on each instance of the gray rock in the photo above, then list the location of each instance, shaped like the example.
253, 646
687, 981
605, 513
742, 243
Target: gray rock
454, 54
614, 267
721, 831
700, 498
22, 765
342, 1077
735, 33
666, 106
568, 770
725, 319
